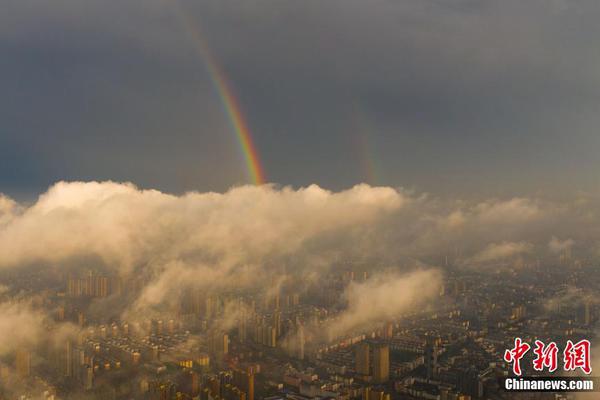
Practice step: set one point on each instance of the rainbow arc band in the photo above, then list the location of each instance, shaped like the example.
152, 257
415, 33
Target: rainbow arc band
228, 99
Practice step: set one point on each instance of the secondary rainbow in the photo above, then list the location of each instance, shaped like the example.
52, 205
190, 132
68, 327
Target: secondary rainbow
365, 133
228, 99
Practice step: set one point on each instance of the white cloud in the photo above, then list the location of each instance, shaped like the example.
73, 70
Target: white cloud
8, 209
20, 325
556, 245
384, 297
126, 226
500, 251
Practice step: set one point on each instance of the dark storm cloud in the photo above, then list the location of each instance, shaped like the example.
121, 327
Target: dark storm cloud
459, 96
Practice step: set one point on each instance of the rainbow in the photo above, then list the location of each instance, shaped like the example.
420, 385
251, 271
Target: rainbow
365, 145
228, 99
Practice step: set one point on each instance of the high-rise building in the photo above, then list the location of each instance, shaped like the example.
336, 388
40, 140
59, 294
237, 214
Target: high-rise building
219, 343
470, 384
271, 339
242, 329
81, 318
430, 359
60, 313
114, 330
518, 312
362, 359
92, 285
245, 382
375, 394
277, 322
68, 360
23, 363
301, 342
295, 299
188, 383
209, 308
381, 363
388, 332
88, 379
587, 313
101, 283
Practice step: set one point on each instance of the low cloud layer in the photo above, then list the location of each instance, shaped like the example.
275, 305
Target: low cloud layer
250, 235
21, 326
385, 297
500, 251
556, 245
125, 226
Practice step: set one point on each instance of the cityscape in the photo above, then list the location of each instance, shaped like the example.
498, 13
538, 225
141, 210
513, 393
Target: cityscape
247, 344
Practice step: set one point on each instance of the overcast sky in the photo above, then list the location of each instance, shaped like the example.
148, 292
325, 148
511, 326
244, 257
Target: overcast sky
461, 98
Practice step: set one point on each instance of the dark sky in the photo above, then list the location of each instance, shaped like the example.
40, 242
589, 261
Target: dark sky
461, 98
